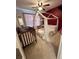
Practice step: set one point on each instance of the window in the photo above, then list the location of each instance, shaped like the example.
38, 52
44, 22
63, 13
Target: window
32, 20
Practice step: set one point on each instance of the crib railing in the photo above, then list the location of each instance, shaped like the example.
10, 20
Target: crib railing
26, 35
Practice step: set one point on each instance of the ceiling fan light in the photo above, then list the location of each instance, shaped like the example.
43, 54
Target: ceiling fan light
40, 8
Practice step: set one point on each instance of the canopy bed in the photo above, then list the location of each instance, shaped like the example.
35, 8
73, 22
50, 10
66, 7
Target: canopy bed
47, 30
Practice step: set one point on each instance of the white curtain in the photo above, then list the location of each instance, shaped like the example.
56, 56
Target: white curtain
37, 20
29, 20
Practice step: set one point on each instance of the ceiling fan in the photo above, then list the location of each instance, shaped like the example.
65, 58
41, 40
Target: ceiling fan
41, 6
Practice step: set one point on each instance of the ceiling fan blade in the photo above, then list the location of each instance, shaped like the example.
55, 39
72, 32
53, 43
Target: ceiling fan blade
43, 9
46, 5
40, 4
35, 6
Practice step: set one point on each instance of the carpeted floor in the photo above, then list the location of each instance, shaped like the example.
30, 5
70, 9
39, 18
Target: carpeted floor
40, 50
18, 54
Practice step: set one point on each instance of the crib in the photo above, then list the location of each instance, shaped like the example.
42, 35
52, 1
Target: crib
27, 35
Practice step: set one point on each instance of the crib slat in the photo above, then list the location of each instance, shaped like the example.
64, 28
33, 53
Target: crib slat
27, 36
23, 40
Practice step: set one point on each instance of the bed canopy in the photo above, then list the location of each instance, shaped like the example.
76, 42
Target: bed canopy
46, 27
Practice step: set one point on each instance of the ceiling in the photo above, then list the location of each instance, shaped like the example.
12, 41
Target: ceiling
32, 3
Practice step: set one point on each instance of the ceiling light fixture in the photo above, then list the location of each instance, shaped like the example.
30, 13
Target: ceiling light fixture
40, 8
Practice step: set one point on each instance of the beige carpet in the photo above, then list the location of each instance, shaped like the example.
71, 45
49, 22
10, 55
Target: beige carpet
40, 50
